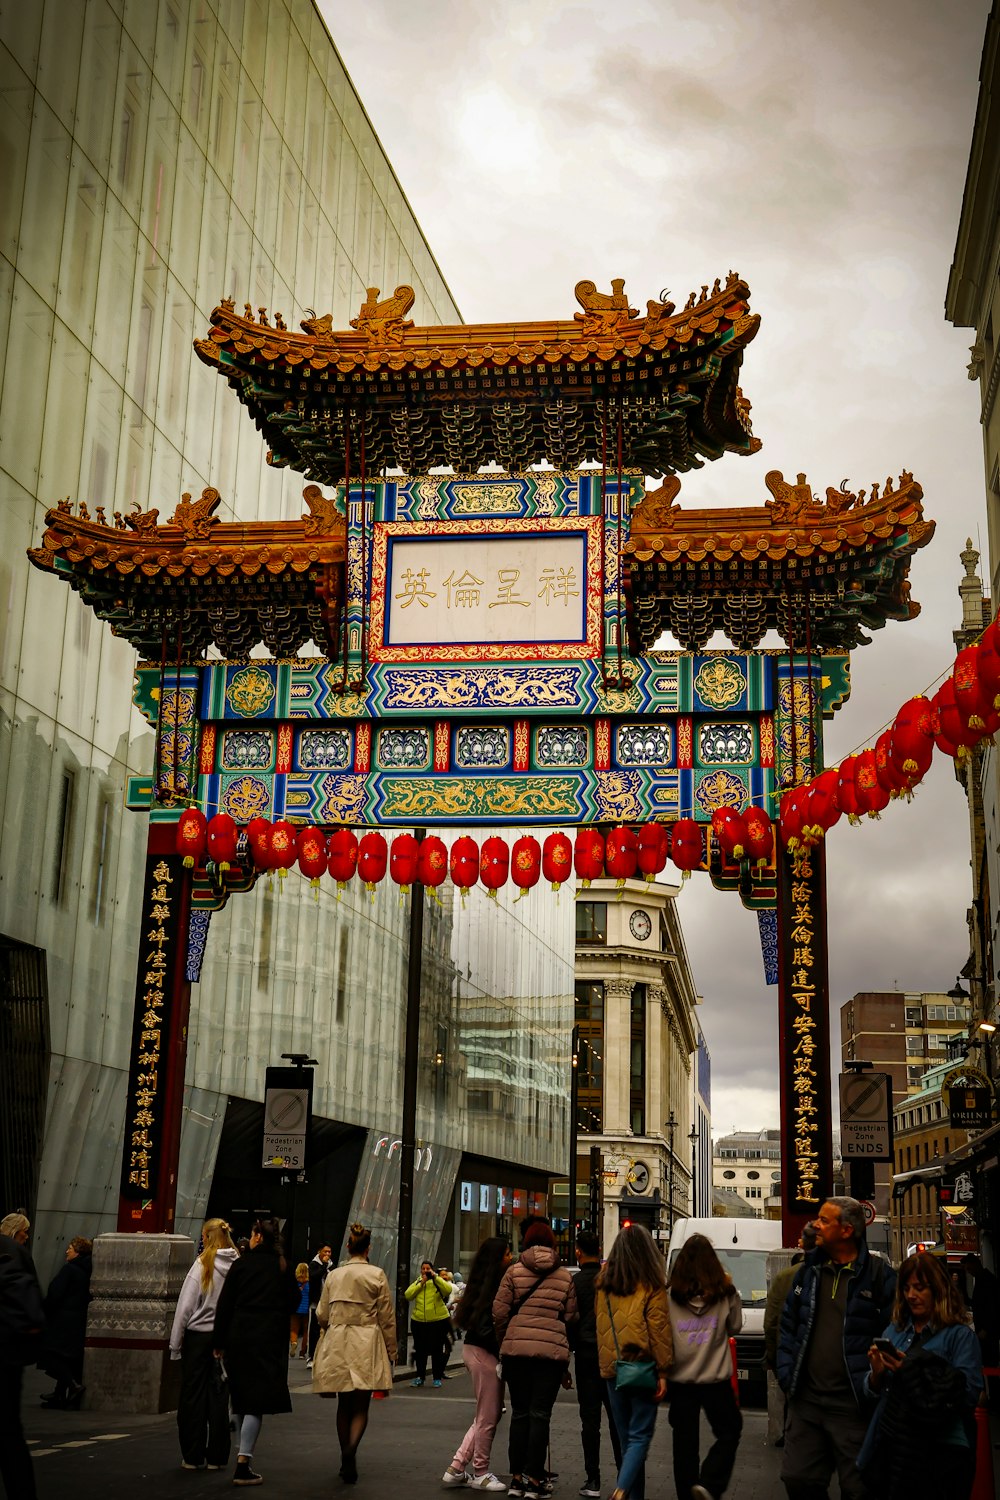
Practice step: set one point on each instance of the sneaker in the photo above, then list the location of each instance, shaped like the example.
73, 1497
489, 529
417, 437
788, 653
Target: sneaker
419, 1380
699, 1492
516, 1487
245, 1474
536, 1489
309, 1364
186, 1465
454, 1476
488, 1482
591, 1487
436, 1384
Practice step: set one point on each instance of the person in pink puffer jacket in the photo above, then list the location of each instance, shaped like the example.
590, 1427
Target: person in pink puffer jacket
534, 1303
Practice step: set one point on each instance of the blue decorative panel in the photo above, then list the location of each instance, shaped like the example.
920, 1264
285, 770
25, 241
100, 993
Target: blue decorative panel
720, 682
482, 747
198, 923
244, 797
324, 750
720, 788
404, 749
644, 745
726, 744
247, 750
562, 745
767, 920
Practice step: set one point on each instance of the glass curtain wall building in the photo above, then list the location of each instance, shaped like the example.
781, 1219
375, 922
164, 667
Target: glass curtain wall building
157, 156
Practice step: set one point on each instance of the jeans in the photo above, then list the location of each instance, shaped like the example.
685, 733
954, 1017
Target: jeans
592, 1395
488, 1391
203, 1404
430, 1340
716, 1399
533, 1385
635, 1418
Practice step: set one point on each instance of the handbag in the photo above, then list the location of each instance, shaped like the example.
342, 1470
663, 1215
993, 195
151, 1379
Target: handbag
631, 1374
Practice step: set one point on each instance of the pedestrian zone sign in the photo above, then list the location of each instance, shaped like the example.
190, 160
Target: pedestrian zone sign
866, 1116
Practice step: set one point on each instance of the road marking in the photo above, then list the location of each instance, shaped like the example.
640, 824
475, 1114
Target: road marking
101, 1437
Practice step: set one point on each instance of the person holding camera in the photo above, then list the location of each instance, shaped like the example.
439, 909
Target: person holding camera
431, 1322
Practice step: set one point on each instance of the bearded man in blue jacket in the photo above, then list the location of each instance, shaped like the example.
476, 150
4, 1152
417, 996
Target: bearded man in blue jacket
840, 1300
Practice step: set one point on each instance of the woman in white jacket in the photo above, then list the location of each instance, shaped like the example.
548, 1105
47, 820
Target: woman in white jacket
203, 1406
705, 1312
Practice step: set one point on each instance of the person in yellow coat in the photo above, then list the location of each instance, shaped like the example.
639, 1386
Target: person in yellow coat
431, 1322
357, 1347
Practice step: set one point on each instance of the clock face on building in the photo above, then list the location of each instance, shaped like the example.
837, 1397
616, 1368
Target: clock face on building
640, 925
638, 1177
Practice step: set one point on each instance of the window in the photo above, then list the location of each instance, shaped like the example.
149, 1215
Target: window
637, 1054
753, 1176
754, 1192
591, 922
589, 1000
729, 1175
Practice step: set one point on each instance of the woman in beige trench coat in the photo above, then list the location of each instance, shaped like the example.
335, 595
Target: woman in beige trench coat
357, 1347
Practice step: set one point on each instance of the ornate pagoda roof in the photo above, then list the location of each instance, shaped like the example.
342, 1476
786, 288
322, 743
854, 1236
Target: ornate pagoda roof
198, 581
842, 563
387, 395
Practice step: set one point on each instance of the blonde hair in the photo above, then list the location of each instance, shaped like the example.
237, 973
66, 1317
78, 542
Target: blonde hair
14, 1224
301, 1271
215, 1237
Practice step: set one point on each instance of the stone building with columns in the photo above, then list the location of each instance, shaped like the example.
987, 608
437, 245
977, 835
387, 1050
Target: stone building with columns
635, 1001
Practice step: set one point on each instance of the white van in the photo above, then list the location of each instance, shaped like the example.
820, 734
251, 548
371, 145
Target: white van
743, 1246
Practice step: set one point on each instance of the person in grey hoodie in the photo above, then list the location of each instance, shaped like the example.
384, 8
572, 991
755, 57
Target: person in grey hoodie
203, 1407
705, 1312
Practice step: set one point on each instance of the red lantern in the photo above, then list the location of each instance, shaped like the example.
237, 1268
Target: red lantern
432, 862
822, 806
311, 846
192, 826
973, 704
342, 857
686, 848
911, 748
494, 862
465, 864
588, 856
731, 832
847, 793
557, 859
621, 854
760, 835
221, 837
403, 861
792, 818
259, 842
525, 864
952, 728
871, 797
283, 849
889, 778
373, 856
988, 663
651, 855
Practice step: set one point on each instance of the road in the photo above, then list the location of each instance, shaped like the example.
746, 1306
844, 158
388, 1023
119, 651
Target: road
410, 1439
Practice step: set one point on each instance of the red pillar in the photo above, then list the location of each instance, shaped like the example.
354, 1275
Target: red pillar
151, 1147
803, 1039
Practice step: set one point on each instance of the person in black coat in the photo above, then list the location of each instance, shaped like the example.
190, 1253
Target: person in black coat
21, 1319
251, 1337
66, 1303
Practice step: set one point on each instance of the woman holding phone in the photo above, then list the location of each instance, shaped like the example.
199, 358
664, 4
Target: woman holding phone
926, 1372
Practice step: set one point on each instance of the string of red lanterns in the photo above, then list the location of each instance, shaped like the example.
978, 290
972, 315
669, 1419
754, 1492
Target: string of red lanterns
624, 854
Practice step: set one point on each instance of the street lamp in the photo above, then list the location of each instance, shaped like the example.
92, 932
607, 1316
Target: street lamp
670, 1126
693, 1138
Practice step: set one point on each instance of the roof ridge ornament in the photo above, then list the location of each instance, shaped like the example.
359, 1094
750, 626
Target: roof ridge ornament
603, 311
384, 322
195, 517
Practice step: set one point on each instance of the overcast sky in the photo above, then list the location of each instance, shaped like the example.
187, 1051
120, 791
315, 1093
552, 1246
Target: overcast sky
819, 148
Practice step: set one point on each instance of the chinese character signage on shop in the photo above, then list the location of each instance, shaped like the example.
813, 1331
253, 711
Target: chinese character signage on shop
805, 1039
158, 959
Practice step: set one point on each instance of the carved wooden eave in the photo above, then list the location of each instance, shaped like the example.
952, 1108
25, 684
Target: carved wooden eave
197, 581
388, 395
827, 569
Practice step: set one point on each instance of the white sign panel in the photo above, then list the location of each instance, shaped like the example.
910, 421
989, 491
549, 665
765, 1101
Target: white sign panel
865, 1105
286, 1125
486, 589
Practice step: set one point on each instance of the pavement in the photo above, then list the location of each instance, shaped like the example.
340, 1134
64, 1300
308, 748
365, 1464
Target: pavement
410, 1439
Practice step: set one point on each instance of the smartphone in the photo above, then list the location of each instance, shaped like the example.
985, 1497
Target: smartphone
884, 1346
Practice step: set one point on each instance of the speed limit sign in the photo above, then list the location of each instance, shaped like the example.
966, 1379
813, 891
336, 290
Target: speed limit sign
869, 1212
